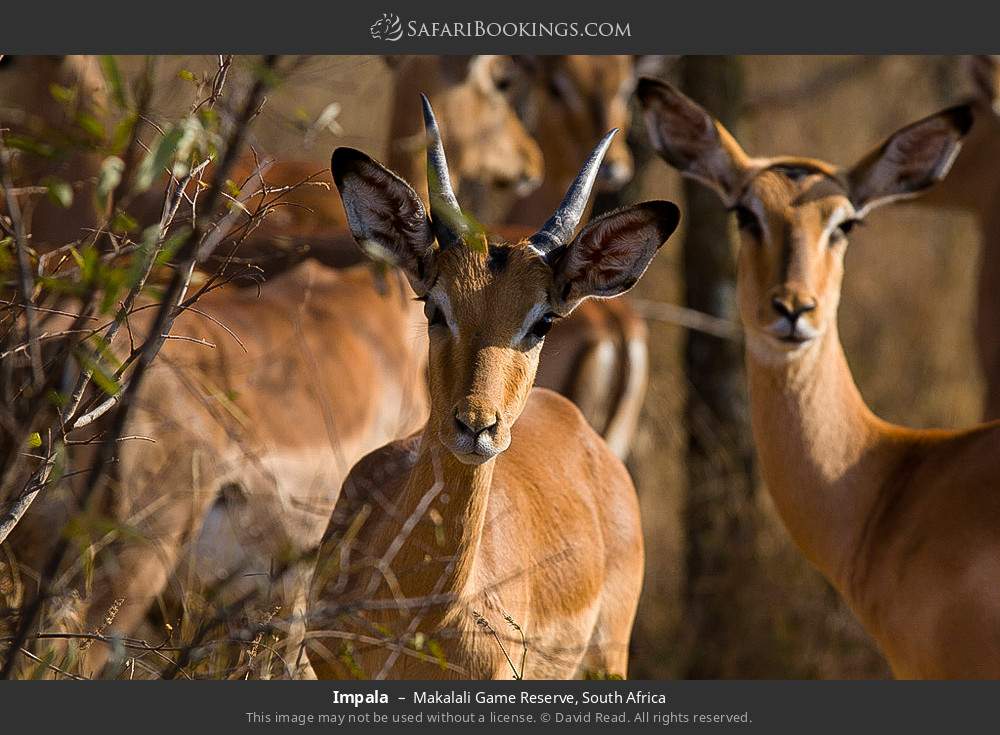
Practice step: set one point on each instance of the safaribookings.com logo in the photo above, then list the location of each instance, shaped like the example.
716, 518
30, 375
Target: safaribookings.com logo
387, 28
390, 28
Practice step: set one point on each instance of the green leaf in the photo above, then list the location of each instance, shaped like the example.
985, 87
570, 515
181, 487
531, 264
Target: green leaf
77, 257
104, 380
157, 159
113, 76
61, 94
84, 527
59, 191
601, 675
209, 118
187, 76
90, 125
124, 222
346, 657
62, 286
88, 261
438, 653
6, 254
475, 234
114, 283
103, 348
109, 177
34, 440
123, 132
30, 145
147, 246
171, 245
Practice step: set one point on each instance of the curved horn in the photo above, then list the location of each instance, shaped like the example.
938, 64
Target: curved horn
560, 227
446, 215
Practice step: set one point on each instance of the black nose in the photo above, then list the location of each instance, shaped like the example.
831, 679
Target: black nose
791, 309
472, 425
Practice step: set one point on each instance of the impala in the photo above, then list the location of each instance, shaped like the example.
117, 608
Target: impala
904, 523
567, 102
974, 185
233, 461
506, 506
490, 149
491, 146
599, 358
255, 429
261, 424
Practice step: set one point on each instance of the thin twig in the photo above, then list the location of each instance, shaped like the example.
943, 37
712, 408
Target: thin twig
693, 319
187, 255
24, 276
51, 666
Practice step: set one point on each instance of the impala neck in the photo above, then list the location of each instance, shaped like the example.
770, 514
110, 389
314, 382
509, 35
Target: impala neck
449, 500
819, 451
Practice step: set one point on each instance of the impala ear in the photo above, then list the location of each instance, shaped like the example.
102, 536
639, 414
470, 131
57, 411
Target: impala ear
385, 215
984, 73
911, 160
691, 140
610, 254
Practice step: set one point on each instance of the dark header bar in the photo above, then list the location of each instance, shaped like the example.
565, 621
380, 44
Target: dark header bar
512, 26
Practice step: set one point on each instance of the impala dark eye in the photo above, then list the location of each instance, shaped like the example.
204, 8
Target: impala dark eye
435, 317
540, 328
747, 221
847, 225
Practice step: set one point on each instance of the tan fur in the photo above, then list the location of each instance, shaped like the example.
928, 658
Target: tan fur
598, 357
570, 101
547, 532
210, 444
465, 92
595, 358
332, 369
904, 523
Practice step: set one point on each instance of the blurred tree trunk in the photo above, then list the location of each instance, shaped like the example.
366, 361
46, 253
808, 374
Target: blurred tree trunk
656, 458
719, 513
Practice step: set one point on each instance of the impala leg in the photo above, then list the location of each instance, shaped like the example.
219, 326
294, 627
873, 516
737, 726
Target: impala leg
607, 651
580, 361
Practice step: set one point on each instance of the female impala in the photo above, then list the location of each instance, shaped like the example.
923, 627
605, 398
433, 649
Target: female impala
254, 436
473, 518
904, 523
974, 185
